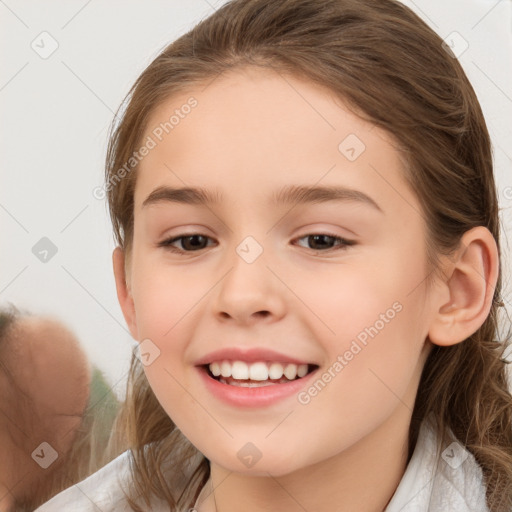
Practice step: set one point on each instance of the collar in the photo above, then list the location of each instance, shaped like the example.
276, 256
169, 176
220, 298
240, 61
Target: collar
437, 478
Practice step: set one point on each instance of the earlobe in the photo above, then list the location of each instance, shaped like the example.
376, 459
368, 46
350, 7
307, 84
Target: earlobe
124, 295
470, 286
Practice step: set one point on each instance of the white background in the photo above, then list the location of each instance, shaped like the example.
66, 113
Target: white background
55, 113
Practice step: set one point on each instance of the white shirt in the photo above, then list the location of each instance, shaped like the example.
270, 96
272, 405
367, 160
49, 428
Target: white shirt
437, 479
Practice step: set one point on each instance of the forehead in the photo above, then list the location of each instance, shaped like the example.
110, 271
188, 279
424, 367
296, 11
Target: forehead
254, 129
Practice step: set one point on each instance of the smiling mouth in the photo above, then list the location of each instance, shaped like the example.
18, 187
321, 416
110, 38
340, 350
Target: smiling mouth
258, 374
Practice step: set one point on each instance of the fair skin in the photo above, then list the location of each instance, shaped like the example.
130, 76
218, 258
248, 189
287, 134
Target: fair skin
252, 133
51, 369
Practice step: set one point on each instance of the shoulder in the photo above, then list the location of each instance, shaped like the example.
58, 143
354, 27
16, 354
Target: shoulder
439, 477
102, 490
458, 480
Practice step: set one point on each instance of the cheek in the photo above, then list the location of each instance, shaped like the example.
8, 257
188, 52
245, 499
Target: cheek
171, 387
364, 383
164, 297
165, 304
344, 302
375, 314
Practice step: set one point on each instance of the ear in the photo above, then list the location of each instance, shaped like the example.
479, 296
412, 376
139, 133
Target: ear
470, 285
124, 292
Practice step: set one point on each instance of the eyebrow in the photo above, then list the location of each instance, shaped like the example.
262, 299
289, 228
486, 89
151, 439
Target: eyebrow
297, 194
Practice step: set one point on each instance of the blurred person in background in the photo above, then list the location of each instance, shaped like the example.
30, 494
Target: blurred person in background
56, 411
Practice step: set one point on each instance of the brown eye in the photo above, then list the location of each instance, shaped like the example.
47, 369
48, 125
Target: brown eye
193, 242
325, 242
190, 243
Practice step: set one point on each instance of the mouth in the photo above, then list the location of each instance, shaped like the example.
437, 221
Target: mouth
256, 374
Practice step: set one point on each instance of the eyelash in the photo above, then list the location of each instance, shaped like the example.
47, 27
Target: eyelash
166, 244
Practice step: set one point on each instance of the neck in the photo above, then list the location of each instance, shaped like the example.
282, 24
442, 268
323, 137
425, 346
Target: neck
363, 478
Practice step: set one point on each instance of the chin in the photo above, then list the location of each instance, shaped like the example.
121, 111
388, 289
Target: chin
265, 466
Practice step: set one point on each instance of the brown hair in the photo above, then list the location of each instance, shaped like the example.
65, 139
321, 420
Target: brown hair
387, 64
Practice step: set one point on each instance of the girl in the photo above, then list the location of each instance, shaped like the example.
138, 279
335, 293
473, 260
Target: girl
274, 373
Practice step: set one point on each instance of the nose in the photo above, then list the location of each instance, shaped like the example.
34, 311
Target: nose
249, 293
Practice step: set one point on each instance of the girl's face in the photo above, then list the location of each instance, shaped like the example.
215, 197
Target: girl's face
330, 279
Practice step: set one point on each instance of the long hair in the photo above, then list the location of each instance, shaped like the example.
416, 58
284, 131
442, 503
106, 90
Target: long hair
394, 71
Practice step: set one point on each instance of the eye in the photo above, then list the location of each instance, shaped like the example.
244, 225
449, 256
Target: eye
191, 242
195, 242
320, 240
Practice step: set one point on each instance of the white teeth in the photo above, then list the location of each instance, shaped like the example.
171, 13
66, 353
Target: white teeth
225, 369
240, 370
276, 371
215, 369
247, 383
302, 370
259, 371
290, 372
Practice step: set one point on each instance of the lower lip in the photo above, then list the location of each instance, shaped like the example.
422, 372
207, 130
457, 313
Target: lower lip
253, 397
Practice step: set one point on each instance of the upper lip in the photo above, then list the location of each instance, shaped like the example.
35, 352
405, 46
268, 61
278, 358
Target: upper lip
250, 355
